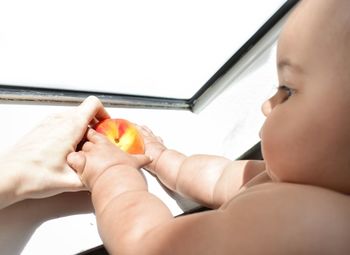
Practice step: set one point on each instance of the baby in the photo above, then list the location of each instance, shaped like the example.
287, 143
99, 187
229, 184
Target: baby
295, 201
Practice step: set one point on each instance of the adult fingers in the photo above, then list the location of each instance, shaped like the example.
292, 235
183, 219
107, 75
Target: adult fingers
93, 122
91, 109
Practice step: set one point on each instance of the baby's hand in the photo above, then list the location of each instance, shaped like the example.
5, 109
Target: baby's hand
153, 147
98, 154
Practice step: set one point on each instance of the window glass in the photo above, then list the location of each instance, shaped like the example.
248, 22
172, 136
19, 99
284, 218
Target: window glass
155, 47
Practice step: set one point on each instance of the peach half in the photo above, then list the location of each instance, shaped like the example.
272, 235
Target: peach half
123, 134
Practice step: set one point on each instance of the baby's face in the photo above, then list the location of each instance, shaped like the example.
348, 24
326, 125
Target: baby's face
306, 135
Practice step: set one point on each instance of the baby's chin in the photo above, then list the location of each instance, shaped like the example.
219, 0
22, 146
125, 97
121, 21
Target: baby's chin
272, 174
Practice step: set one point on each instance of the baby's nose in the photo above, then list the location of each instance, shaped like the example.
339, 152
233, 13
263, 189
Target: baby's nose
266, 107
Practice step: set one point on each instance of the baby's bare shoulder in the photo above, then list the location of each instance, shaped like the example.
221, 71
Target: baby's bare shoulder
302, 200
278, 189
315, 220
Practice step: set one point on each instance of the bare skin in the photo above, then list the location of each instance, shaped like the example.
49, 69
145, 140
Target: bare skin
37, 167
294, 202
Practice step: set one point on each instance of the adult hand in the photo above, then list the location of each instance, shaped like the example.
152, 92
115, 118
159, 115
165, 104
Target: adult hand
37, 165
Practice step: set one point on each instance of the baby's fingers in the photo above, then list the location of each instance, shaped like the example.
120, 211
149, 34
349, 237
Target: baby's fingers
77, 161
148, 134
143, 160
96, 137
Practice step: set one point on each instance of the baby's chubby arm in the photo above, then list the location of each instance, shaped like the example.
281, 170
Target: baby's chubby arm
124, 208
208, 179
133, 221
130, 219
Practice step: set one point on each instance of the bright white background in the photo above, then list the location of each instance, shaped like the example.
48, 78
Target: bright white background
155, 47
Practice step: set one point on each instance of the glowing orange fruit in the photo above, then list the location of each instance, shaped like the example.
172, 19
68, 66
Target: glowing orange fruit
123, 134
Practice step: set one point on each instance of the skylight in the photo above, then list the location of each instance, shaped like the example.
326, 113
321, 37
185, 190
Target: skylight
154, 48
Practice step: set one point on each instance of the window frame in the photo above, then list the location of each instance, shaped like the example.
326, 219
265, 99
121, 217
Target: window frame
36, 95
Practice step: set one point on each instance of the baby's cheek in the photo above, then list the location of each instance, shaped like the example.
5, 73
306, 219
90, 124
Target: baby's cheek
273, 147
266, 137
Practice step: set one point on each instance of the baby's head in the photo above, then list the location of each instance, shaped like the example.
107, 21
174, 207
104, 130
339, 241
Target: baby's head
306, 135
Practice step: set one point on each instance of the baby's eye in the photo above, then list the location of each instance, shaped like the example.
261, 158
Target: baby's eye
287, 92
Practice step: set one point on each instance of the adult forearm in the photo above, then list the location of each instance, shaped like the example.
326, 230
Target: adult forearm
8, 185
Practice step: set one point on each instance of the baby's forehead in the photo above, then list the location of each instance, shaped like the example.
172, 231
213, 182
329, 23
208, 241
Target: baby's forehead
332, 15
320, 22
316, 38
